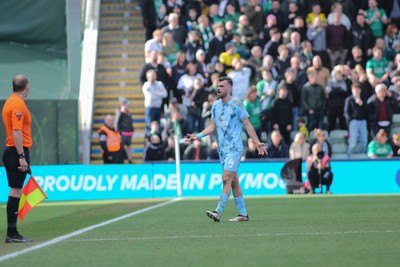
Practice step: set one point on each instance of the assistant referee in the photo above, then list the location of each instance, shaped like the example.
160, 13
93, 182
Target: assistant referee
17, 122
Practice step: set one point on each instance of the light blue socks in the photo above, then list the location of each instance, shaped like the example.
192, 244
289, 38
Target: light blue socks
222, 203
240, 205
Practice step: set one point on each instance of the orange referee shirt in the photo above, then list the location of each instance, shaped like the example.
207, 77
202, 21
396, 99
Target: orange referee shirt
16, 116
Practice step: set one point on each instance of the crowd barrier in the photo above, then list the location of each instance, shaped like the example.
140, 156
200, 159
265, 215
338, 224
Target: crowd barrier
198, 179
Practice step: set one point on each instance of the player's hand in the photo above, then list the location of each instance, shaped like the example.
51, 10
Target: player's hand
23, 165
261, 149
190, 138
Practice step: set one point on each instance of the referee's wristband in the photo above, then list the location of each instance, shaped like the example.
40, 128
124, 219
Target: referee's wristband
200, 135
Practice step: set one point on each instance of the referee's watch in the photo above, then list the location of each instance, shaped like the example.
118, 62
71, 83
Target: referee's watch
22, 155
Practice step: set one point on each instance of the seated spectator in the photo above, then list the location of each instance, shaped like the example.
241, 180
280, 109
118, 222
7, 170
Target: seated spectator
170, 149
251, 151
240, 76
281, 114
396, 144
355, 112
276, 148
154, 150
299, 147
195, 151
319, 170
380, 147
320, 139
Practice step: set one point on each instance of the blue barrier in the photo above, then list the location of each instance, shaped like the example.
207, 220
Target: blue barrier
200, 179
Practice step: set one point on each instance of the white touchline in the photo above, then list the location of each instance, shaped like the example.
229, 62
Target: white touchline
84, 230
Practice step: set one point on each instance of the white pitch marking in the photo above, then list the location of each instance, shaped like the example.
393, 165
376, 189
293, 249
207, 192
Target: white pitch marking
83, 230
234, 236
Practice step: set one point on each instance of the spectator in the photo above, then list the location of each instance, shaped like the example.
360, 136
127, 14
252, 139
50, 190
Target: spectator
229, 30
268, 63
344, 20
316, 33
154, 130
110, 142
360, 76
169, 47
252, 105
356, 57
305, 55
217, 43
266, 91
313, 100
249, 36
161, 17
154, 150
337, 41
281, 114
396, 144
185, 83
240, 48
300, 28
192, 46
175, 124
251, 151
201, 65
276, 148
293, 95
315, 12
336, 91
227, 57
195, 151
255, 15
361, 35
299, 147
394, 89
294, 45
240, 76
323, 74
355, 112
376, 18
270, 24
276, 11
320, 139
125, 127
178, 32
198, 97
380, 110
170, 149
214, 16
379, 147
319, 170
154, 65
292, 12
271, 48
302, 127
178, 70
282, 63
190, 20
153, 44
154, 91
149, 17
255, 62
394, 67
231, 14
300, 75
205, 32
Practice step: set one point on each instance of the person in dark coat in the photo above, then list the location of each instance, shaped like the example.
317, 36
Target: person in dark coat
276, 148
281, 114
154, 151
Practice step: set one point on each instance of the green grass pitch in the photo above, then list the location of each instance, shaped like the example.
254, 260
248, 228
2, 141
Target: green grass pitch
282, 231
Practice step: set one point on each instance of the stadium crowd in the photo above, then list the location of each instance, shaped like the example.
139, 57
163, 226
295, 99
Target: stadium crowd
303, 70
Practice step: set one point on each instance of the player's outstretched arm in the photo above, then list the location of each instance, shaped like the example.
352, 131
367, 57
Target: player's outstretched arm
252, 133
207, 131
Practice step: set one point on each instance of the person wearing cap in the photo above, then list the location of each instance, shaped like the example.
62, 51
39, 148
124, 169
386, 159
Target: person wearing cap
228, 56
125, 127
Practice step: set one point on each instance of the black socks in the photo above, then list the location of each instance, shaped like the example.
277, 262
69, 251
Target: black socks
12, 214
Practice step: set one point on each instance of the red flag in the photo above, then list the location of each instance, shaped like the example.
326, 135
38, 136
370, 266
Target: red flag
32, 195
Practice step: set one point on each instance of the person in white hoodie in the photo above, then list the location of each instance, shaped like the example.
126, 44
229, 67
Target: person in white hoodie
240, 76
154, 91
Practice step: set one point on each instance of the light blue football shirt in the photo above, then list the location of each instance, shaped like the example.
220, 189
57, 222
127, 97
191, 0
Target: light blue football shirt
229, 126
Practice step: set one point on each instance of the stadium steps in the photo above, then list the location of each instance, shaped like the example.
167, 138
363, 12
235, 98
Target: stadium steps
119, 58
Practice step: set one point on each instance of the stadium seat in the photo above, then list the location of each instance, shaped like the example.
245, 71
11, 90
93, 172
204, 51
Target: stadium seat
293, 134
339, 148
396, 130
359, 156
339, 156
396, 120
338, 136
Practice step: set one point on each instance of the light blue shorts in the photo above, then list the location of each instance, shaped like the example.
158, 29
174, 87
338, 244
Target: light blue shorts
230, 161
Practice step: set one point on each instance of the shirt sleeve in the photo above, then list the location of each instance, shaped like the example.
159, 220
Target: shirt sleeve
18, 115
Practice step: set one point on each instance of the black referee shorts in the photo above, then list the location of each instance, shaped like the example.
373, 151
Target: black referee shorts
15, 177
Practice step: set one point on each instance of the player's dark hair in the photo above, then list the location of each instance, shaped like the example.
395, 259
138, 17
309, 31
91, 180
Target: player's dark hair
19, 83
227, 79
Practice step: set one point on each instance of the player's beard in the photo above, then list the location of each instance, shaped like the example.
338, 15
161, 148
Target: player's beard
221, 95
